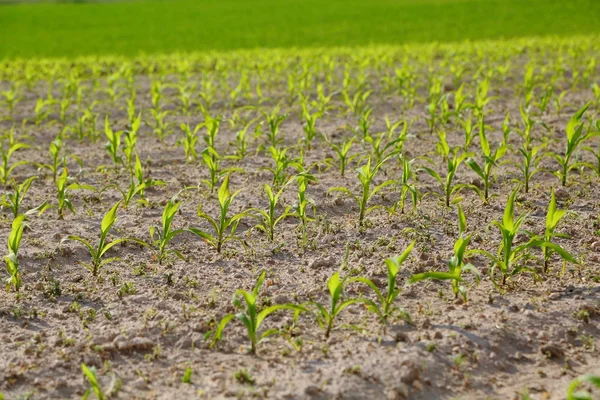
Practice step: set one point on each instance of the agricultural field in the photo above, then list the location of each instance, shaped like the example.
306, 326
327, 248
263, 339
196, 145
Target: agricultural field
70, 28
385, 222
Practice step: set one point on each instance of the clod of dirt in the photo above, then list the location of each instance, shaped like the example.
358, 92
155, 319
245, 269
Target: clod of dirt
321, 263
409, 372
399, 391
552, 351
596, 246
561, 194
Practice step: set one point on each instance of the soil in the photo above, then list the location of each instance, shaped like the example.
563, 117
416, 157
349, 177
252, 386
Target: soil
142, 324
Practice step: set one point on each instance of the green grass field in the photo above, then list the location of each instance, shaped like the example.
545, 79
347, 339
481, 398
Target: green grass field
135, 27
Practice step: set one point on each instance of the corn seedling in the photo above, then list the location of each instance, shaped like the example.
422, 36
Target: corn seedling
97, 253
114, 143
326, 315
301, 208
161, 127
553, 217
342, 151
63, 188
225, 227
189, 141
92, 378
406, 186
456, 264
366, 175
282, 161
453, 162
12, 258
131, 140
379, 148
274, 121
309, 127
575, 136
162, 235
384, 307
491, 159
14, 201
251, 316
509, 257
6, 168
268, 218
594, 166
574, 394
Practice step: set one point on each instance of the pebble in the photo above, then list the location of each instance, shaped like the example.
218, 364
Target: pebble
596, 246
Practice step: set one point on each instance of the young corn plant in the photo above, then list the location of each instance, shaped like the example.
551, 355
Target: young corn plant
282, 161
189, 141
309, 127
56, 160
6, 168
225, 227
63, 188
212, 160
575, 136
12, 258
342, 151
406, 186
162, 235
553, 218
92, 378
302, 207
98, 252
453, 162
491, 159
269, 219
594, 166
384, 307
456, 264
14, 201
131, 141
326, 315
574, 394
274, 121
529, 165
113, 145
366, 176
251, 316
509, 257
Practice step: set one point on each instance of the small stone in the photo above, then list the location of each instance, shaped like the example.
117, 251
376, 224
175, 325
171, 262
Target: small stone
596, 246
513, 308
426, 324
438, 335
417, 385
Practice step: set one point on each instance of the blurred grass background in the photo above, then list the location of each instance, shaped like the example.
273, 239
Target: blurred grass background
32, 29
